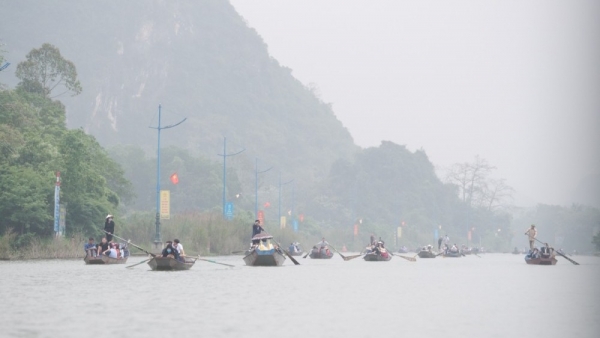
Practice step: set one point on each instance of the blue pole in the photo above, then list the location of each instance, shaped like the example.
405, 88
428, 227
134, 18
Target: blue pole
157, 237
279, 218
256, 188
224, 171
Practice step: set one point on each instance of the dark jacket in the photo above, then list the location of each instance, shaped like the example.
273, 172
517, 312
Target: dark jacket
256, 229
109, 226
170, 250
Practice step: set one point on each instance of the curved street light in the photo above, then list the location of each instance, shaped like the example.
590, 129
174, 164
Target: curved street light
157, 237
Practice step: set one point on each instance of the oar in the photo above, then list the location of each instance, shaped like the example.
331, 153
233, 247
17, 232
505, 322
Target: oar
211, 261
569, 259
237, 252
286, 253
144, 261
129, 242
411, 259
344, 257
308, 253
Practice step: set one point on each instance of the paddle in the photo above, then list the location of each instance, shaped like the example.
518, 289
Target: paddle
569, 259
344, 257
144, 261
129, 242
308, 253
211, 261
286, 253
411, 259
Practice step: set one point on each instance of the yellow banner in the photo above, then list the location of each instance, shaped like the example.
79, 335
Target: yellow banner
399, 235
282, 222
165, 204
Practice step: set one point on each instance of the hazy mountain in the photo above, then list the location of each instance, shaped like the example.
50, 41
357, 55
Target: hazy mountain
198, 59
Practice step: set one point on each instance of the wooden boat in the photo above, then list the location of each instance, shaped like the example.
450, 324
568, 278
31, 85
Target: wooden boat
321, 250
295, 250
321, 254
403, 249
426, 254
452, 254
264, 254
103, 259
160, 263
539, 260
373, 256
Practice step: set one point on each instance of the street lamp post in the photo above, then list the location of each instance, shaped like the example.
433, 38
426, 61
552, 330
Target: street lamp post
157, 237
225, 169
280, 184
256, 172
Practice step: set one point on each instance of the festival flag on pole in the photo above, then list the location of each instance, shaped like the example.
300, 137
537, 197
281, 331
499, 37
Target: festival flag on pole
174, 178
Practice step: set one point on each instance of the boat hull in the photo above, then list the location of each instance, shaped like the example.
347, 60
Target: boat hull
452, 254
426, 254
316, 254
103, 259
270, 257
170, 264
373, 257
540, 260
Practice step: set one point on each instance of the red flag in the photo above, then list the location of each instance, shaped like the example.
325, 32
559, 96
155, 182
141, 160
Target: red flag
174, 178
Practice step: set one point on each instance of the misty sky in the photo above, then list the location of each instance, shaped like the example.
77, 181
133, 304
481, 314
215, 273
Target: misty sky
515, 82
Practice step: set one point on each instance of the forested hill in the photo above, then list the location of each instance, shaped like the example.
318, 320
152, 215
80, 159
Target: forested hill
199, 59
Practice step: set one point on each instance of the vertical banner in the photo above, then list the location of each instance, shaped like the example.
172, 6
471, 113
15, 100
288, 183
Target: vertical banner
399, 233
261, 217
165, 204
469, 235
229, 210
62, 222
282, 222
355, 229
57, 205
436, 234
295, 222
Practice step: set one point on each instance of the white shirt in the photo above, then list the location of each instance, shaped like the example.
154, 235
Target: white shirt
178, 247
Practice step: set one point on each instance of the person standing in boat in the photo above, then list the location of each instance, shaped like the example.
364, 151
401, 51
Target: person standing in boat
531, 233
90, 248
440, 243
109, 227
447, 240
256, 229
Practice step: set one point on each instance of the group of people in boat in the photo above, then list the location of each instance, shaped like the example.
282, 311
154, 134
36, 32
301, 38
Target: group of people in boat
377, 247
295, 248
174, 249
105, 247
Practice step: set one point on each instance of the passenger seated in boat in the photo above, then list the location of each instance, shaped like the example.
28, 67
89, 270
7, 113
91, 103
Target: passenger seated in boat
112, 251
454, 248
429, 248
103, 246
265, 245
546, 251
169, 251
90, 248
535, 253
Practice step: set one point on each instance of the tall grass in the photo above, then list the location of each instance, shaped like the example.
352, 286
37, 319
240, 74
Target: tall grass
41, 248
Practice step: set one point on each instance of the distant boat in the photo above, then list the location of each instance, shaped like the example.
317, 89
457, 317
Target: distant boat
426, 254
321, 251
403, 249
264, 254
160, 263
539, 259
454, 254
382, 256
295, 249
103, 259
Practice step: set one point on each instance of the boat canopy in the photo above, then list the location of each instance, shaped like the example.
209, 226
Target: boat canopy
262, 235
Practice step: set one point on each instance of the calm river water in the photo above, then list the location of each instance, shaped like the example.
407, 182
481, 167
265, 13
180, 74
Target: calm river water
497, 295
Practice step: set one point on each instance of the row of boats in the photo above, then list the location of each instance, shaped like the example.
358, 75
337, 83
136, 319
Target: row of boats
264, 252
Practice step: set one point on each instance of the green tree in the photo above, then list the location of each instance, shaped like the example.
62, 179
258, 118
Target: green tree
45, 70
